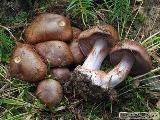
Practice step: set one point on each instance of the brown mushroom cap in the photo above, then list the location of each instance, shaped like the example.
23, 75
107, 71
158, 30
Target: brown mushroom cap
26, 64
142, 62
47, 27
57, 53
62, 74
49, 92
78, 56
88, 37
76, 32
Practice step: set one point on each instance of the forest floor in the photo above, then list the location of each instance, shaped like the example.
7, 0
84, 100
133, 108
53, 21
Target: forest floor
17, 98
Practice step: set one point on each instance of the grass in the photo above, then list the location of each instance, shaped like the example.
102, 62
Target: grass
82, 8
15, 96
6, 45
19, 19
140, 93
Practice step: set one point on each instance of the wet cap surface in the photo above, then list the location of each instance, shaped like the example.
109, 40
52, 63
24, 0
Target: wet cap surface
47, 27
26, 64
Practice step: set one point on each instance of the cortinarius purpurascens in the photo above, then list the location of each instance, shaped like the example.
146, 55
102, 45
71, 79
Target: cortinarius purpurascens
128, 56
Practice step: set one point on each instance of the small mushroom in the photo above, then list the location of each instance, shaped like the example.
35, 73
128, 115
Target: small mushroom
49, 92
57, 53
26, 64
47, 27
96, 44
62, 74
78, 56
128, 56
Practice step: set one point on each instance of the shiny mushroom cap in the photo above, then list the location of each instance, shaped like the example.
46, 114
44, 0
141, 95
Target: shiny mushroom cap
26, 64
57, 53
47, 27
49, 92
62, 74
142, 62
88, 37
78, 56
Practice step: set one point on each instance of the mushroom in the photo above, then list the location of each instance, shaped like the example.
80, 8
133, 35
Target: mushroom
57, 53
26, 64
141, 59
49, 92
62, 74
76, 32
96, 44
78, 56
47, 27
129, 57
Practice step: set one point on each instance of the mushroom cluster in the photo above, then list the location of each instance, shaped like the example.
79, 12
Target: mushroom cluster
50, 40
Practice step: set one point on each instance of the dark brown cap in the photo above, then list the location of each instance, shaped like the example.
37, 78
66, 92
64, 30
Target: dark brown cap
88, 37
47, 27
57, 53
49, 92
78, 56
61, 74
26, 64
142, 62
76, 32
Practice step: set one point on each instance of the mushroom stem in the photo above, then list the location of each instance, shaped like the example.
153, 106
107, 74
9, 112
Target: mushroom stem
96, 56
120, 71
115, 76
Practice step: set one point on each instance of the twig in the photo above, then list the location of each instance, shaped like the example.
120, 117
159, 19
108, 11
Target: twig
16, 26
2, 89
150, 37
155, 57
133, 20
7, 29
137, 34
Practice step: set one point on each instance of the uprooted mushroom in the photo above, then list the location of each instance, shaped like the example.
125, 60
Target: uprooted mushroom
129, 57
95, 43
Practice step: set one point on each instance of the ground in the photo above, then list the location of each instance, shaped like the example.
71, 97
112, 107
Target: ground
17, 98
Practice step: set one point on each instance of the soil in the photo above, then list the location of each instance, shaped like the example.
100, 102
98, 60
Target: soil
10, 8
151, 11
